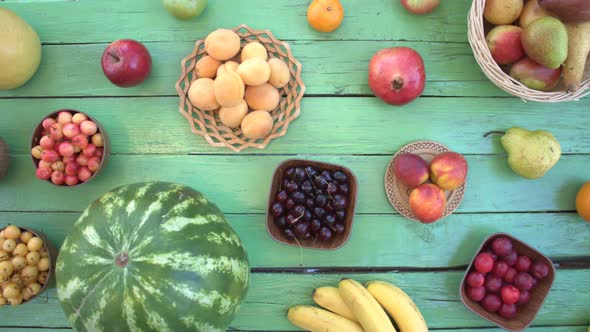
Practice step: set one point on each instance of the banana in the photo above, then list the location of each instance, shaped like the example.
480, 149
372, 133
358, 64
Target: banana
319, 320
365, 308
399, 305
329, 298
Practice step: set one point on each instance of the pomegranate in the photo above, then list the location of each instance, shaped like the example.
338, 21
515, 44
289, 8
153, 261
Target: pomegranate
397, 75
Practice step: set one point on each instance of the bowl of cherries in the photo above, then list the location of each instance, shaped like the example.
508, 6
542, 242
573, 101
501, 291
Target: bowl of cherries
69, 148
507, 282
311, 204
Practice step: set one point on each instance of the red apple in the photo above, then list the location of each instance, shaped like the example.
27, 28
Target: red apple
410, 169
428, 202
396, 75
126, 63
505, 45
534, 75
420, 6
448, 170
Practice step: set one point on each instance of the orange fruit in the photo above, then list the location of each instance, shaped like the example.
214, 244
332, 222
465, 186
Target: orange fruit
583, 202
325, 15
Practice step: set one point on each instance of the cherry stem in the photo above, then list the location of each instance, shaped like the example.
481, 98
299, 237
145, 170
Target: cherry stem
494, 132
397, 83
117, 59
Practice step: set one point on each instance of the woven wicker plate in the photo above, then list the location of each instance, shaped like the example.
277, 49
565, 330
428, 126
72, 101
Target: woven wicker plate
207, 123
399, 194
477, 39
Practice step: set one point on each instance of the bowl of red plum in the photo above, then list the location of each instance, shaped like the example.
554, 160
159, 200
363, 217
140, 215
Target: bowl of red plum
311, 204
69, 148
507, 282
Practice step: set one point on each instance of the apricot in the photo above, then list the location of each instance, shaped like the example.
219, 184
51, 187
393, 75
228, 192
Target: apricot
229, 89
264, 97
232, 116
228, 66
202, 94
254, 71
222, 44
254, 50
257, 124
279, 73
207, 67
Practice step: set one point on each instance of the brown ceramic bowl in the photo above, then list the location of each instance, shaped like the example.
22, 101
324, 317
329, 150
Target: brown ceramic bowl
525, 314
399, 194
338, 240
52, 257
38, 133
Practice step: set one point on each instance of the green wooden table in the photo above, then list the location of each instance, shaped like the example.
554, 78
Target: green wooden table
340, 122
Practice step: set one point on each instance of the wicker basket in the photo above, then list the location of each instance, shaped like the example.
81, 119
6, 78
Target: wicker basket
208, 124
477, 28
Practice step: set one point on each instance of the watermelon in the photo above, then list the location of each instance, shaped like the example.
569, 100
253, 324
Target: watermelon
152, 256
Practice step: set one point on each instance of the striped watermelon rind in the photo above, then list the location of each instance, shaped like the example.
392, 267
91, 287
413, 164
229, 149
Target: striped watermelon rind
152, 256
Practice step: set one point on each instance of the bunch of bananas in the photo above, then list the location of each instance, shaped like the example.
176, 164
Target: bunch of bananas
354, 308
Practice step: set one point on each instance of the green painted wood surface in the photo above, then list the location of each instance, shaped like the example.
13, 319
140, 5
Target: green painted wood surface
340, 123
359, 126
434, 293
86, 21
386, 241
327, 72
491, 185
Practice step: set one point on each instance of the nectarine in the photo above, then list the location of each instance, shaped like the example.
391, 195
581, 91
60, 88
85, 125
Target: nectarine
428, 202
448, 170
410, 169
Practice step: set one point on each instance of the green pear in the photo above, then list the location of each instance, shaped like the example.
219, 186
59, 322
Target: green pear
531, 153
546, 41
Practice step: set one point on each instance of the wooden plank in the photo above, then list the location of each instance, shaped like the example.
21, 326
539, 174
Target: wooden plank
100, 21
492, 186
348, 125
489, 329
393, 239
329, 68
435, 293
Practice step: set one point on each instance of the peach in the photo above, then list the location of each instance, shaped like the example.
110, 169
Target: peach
207, 67
202, 94
254, 50
222, 44
257, 124
428, 202
227, 66
448, 170
264, 97
410, 169
233, 116
229, 89
505, 45
279, 73
254, 71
